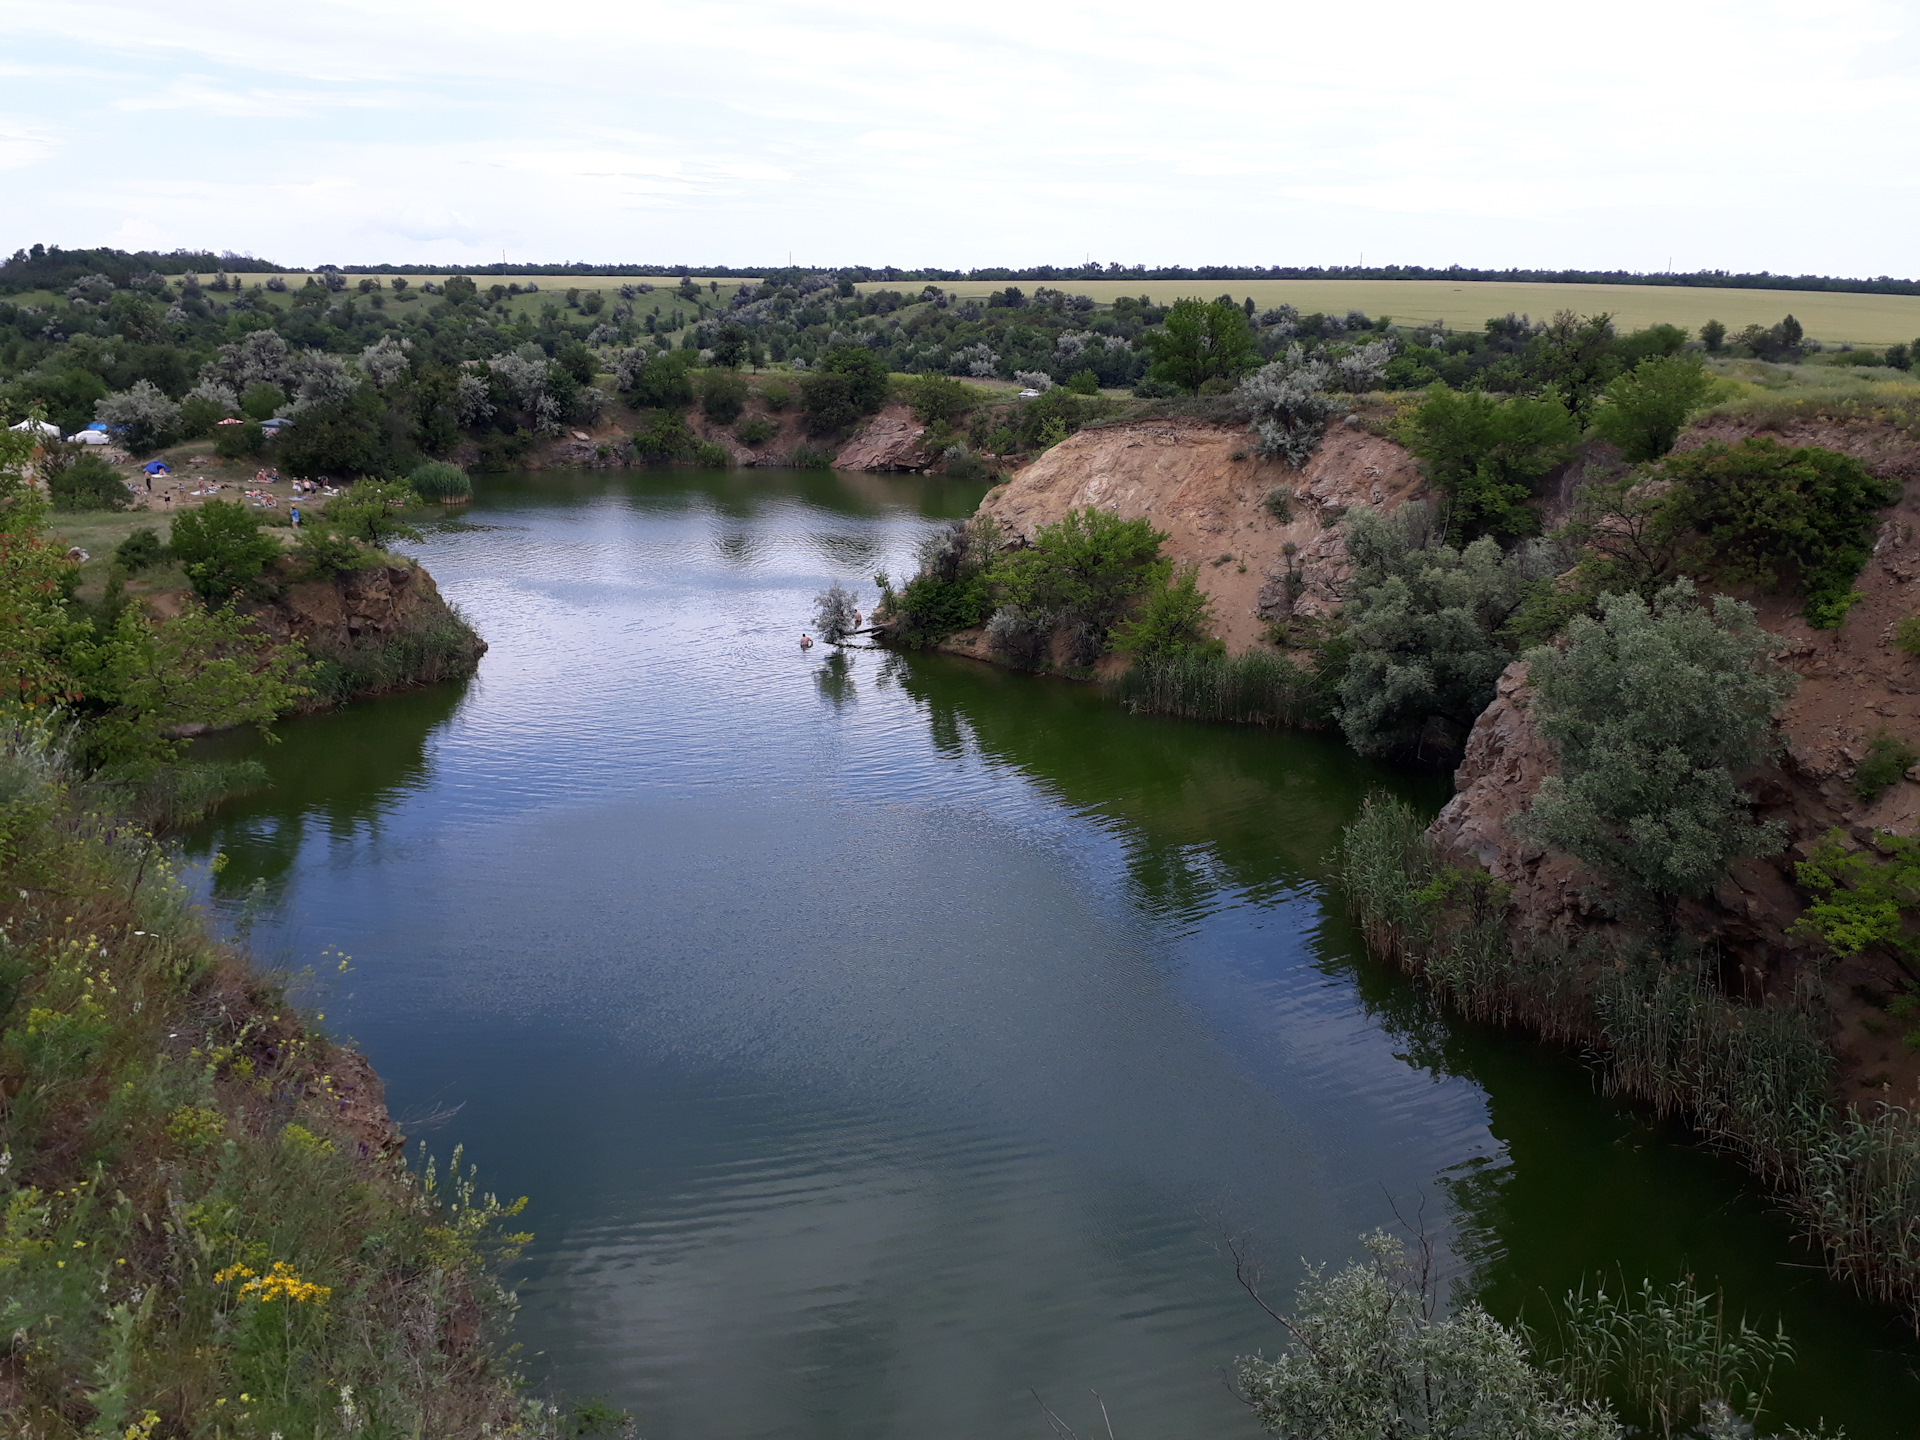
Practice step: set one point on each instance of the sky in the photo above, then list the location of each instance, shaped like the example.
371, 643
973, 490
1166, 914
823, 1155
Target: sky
1640, 135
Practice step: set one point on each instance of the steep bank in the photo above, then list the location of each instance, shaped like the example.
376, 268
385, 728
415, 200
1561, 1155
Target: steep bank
1853, 683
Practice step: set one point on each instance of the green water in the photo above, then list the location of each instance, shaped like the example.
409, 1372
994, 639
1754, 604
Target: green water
883, 1038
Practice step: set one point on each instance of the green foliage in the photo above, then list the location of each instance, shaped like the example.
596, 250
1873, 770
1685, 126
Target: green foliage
1369, 1354
833, 613
1865, 896
262, 401
1888, 758
664, 382
951, 589
866, 375
88, 483
1642, 411
235, 442
710, 455
1087, 570
434, 644
1175, 619
1656, 714
1486, 455
1798, 518
370, 513
1255, 688
1083, 382
936, 398
1423, 624
1906, 635
1713, 335
1045, 422
320, 551
1279, 504
723, 395
755, 430
1577, 355
777, 394
140, 551
1200, 342
439, 480
665, 436
826, 396
223, 549
349, 436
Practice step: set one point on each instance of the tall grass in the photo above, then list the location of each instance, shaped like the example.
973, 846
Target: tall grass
437, 645
1257, 688
1756, 1080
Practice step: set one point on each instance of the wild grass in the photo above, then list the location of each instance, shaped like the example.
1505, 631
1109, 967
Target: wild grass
1257, 688
204, 1228
1756, 391
437, 646
1755, 1080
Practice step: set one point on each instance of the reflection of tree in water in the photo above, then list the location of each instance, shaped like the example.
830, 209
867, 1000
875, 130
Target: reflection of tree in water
834, 676
340, 772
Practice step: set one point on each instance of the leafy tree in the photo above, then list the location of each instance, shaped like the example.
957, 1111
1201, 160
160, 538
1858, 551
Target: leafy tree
1800, 518
1713, 335
222, 549
1175, 619
664, 437
1643, 410
938, 397
233, 442
950, 590
142, 416
866, 375
139, 551
730, 347
1422, 628
87, 483
1200, 341
1655, 713
723, 395
1289, 405
577, 360
1087, 570
1486, 455
665, 380
371, 511
833, 612
1576, 356
349, 435
826, 396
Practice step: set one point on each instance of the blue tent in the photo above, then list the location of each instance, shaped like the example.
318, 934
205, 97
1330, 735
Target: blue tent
99, 425
157, 467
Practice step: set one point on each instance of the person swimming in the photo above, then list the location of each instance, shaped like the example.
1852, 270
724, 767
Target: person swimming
806, 642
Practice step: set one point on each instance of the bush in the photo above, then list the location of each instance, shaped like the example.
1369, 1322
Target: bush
1200, 342
141, 416
1423, 623
438, 480
1257, 688
262, 401
665, 436
1888, 758
140, 551
1656, 713
950, 590
1045, 422
710, 455
777, 394
1279, 504
827, 398
88, 483
234, 442
347, 436
1486, 455
222, 549
1643, 410
865, 372
1175, 619
937, 398
1084, 382
1087, 571
755, 430
1798, 519
723, 395
1289, 406
664, 382
1906, 635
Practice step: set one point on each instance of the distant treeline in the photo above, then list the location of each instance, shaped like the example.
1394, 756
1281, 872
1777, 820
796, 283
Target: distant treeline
50, 267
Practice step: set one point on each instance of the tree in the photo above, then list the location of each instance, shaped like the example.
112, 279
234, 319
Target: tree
87, 483
222, 549
349, 435
142, 416
866, 375
730, 347
1370, 1356
1175, 619
1486, 455
1643, 410
723, 395
826, 396
1200, 341
1576, 357
833, 613
938, 397
1655, 713
370, 513
1713, 335
1289, 405
1423, 625
1087, 570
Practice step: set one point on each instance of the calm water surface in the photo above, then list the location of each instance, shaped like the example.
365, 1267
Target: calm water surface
881, 1039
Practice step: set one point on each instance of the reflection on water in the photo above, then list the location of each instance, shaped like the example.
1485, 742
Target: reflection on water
880, 1037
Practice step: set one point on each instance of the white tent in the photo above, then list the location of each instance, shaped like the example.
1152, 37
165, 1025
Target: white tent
38, 427
88, 437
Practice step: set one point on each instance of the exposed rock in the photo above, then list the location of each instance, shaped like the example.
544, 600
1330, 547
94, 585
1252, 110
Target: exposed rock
1182, 476
892, 440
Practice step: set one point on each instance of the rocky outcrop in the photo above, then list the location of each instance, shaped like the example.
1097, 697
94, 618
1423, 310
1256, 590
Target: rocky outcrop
1209, 491
892, 440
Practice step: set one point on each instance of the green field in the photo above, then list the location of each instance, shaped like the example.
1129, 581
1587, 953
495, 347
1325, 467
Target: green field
1468, 304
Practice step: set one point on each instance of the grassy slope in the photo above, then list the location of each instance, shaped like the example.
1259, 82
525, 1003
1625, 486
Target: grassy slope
168, 1116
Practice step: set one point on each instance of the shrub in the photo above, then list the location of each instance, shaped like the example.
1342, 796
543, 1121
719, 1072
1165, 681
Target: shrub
1655, 713
777, 394
865, 372
234, 442
755, 430
1084, 382
1423, 623
1888, 758
1175, 619
1087, 570
262, 400
88, 483
949, 591
1486, 455
1289, 406
1199, 342
346, 436
833, 613
140, 551
141, 415
371, 511
962, 463
222, 549
710, 455
1796, 518
827, 398
1713, 335
438, 480
805, 457
1643, 410
665, 436
1279, 504
1045, 422
936, 398
723, 395
1906, 635
664, 381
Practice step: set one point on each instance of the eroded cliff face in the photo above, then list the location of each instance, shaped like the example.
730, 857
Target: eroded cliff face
1853, 682
1185, 479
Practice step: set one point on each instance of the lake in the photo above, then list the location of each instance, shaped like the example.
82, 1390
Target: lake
883, 1039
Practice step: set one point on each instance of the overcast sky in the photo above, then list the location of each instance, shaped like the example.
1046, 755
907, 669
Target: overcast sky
1737, 135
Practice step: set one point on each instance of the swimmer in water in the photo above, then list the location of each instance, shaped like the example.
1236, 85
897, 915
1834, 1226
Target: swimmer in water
806, 642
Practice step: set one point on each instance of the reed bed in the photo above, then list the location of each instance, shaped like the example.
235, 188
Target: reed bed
1756, 1080
1257, 688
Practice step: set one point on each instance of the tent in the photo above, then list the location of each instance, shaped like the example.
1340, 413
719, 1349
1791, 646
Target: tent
87, 437
157, 467
38, 427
